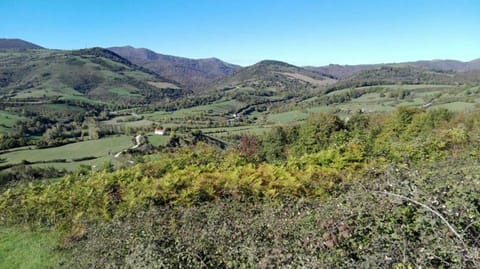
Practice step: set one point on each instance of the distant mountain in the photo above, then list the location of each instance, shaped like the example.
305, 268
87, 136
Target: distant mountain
275, 75
88, 75
6, 43
448, 65
190, 73
406, 74
343, 71
475, 64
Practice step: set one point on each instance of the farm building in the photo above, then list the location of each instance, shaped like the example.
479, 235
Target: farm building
160, 131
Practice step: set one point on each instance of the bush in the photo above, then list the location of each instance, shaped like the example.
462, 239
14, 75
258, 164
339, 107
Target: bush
361, 227
378, 191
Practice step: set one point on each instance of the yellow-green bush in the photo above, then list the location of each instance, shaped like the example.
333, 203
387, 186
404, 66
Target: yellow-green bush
193, 175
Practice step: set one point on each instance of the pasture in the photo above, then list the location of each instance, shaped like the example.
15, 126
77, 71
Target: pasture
7, 121
286, 117
216, 109
386, 98
99, 149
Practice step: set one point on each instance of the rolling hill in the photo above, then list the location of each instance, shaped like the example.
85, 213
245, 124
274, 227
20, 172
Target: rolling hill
274, 76
407, 75
344, 71
14, 43
190, 73
90, 75
448, 65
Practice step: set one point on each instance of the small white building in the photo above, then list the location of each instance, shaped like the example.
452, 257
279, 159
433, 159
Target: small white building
159, 131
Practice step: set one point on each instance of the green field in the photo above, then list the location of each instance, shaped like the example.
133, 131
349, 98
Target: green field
385, 98
94, 148
321, 109
216, 109
95, 164
7, 120
163, 85
158, 140
286, 117
458, 106
123, 92
28, 249
124, 121
81, 98
220, 132
54, 108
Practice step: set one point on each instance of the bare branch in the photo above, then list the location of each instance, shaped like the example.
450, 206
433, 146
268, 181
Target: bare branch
452, 229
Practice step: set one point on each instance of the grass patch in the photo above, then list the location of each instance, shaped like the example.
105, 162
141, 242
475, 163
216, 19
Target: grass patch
7, 121
163, 85
237, 130
220, 108
123, 92
321, 109
457, 106
287, 117
158, 140
23, 248
81, 98
97, 148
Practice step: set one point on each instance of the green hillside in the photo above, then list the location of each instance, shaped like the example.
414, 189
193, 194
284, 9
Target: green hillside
276, 76
17, 44
387, 75
90, 75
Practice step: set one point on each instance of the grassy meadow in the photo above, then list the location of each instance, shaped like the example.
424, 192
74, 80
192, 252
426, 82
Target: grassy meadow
99, 149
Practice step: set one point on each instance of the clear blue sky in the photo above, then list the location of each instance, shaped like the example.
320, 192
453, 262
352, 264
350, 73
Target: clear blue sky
301, 32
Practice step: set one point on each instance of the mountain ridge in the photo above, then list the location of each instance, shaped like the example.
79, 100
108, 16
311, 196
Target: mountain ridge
274, 75
190, 73
94, 74
16, 43
343, 71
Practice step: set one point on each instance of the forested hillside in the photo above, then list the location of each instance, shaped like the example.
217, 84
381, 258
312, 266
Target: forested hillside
89, 75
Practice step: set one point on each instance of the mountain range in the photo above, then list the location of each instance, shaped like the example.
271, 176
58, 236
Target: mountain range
201, 73
343, 71
87, 75
190, 73
142, 73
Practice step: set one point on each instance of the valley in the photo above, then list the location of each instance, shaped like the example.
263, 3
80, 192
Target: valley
199, 163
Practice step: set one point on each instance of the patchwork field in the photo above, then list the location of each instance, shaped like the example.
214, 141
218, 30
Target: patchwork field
389, 97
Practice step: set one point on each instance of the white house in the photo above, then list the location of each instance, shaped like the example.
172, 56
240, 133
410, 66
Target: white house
159, 131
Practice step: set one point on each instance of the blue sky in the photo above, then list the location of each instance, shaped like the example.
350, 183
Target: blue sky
301, 32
